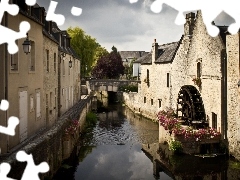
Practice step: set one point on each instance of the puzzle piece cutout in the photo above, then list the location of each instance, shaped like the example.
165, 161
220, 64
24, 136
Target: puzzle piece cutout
210, 10
4, 170
31, 171
59, 18
7, 35
4, 105
30, 2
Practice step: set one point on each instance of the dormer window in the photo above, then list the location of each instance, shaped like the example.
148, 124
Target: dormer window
60, 40
49, 26
160, 52
65, 43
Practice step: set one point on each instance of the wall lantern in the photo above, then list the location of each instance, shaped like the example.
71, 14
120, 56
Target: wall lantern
26, 45
70, 63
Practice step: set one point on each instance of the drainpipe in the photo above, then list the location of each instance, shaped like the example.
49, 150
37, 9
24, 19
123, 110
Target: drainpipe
6, 76
224, 94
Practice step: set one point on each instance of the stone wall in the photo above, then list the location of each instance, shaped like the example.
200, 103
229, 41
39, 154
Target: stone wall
233, 94
212, 53
50, 80
49, 146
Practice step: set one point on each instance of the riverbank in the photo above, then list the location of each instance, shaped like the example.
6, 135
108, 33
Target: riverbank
49, 145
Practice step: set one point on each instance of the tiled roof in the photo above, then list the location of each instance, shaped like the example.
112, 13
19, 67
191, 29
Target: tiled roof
139, 60
166, 52
131, 54
147, 59
50, 36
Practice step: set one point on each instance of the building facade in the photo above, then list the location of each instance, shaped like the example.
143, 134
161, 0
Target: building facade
31, 82
197, 77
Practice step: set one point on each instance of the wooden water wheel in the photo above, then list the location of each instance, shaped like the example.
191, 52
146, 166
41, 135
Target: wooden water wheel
190, 106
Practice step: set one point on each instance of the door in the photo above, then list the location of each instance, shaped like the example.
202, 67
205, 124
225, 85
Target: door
23, 115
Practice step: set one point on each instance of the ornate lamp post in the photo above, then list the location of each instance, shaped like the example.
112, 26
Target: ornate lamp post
27, 45
70, 63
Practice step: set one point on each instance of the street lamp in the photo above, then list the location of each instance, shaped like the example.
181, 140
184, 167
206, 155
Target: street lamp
70, 63
27, 45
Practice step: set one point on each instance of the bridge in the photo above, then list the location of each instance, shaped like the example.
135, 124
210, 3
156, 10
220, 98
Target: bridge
108, 84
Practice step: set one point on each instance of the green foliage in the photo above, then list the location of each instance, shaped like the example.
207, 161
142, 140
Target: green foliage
86, 47
234, 165
91, 118
128, 88
175, 146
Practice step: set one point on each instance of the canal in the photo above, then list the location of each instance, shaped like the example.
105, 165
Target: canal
122, 146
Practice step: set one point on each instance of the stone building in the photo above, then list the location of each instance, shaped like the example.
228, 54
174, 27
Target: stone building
197, 77
31, 82
69, 72
50, 75
23, 79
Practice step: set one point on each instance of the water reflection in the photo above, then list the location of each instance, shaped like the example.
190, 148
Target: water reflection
186, 167
112, 149
115, 162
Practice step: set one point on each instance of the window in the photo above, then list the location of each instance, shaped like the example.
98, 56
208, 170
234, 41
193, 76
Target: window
63, 67
214, 120
55, 63
148, 77
144, 100
60, 40
51, 97
159, 103
14, 62
31, 57
47, 57
168, 79
198, 70
38, 107
151, 101
69, 68
55, 103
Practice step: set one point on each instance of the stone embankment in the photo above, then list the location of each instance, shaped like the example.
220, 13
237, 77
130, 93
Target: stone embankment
131, 101
50, 145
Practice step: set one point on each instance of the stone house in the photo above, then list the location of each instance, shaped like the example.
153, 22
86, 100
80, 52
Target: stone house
197, 77
69, 72
23, 79
31, 82
50, 79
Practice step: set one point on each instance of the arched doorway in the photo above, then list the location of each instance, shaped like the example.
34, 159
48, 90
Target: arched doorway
190, 107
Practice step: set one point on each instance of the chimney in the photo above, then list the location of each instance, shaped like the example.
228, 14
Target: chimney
154, 50
188, 26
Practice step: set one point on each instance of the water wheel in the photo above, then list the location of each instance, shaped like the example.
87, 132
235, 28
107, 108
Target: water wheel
190, 107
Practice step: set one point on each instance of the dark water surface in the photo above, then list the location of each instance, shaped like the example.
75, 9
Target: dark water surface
112, 150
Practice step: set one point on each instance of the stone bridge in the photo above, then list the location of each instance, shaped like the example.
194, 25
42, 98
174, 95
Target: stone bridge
108, 84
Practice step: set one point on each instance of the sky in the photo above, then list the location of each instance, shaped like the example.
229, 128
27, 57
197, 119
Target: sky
128, 27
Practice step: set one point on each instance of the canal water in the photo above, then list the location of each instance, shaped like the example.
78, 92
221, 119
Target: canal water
113, 150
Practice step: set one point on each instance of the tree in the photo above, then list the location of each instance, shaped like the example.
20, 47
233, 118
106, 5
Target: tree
109, 66
86, 48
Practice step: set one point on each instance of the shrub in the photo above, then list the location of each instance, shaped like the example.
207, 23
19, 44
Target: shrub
91, 118
175, 146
